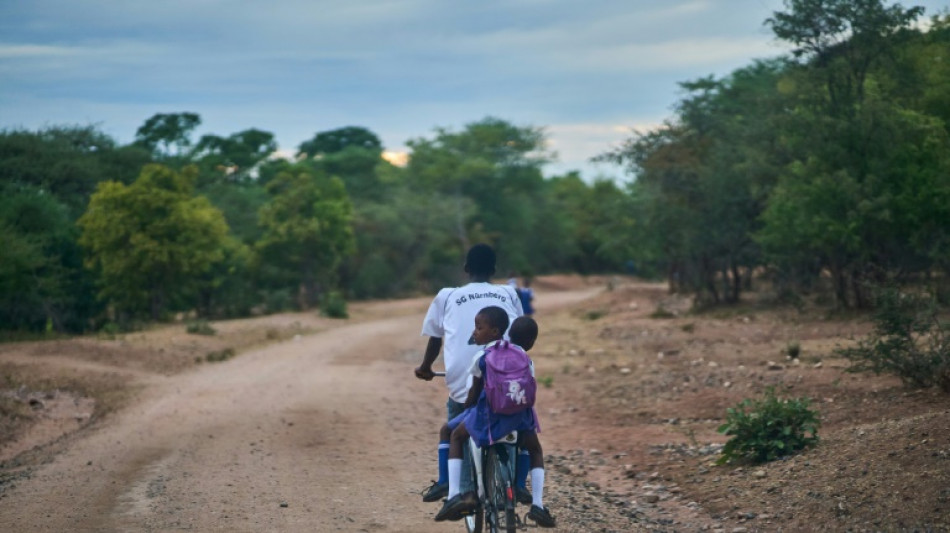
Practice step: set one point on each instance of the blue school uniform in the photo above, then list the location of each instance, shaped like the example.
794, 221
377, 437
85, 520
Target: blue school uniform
483, 425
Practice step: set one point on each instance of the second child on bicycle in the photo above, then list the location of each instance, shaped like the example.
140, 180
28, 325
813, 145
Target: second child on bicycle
480, 423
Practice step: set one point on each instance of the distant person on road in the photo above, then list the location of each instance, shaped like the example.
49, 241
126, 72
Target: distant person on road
448, 324
527, 297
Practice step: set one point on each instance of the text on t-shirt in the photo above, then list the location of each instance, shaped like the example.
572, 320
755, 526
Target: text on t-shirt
479, 295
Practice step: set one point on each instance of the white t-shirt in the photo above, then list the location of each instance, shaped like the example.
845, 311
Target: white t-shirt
451, 317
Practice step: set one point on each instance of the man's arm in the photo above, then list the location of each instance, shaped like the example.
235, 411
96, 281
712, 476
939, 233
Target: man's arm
424, 371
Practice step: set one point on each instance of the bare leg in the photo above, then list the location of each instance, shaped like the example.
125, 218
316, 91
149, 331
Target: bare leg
458, 439
529, 441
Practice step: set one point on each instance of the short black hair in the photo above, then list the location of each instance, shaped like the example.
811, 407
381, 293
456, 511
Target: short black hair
496, 317
480, 260
524, 331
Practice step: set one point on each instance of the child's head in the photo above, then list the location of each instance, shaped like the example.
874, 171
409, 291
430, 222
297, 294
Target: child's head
524, 331
490, 325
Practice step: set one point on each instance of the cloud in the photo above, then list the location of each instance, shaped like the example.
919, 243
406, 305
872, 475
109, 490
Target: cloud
33, 51
397, 67
576, 143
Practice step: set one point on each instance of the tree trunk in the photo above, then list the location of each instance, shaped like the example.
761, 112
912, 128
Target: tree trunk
736, 283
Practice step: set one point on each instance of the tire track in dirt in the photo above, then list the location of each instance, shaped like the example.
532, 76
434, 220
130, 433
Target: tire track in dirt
323, 433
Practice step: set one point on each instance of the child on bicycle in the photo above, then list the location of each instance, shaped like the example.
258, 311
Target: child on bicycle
478, 422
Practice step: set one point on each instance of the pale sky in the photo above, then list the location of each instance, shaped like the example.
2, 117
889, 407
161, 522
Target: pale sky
588, 71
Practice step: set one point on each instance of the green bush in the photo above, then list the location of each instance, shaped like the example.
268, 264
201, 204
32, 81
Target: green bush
109, 330
793, 349
334, 305
595, 314
200, 327
218, 356
278, 300
908, 341
764, 430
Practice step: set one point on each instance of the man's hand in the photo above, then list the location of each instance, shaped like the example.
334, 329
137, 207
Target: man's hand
425, 373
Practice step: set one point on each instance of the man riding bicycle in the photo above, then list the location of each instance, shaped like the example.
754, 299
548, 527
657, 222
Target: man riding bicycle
448, 324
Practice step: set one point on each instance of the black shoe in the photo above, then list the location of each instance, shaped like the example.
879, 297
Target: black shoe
435, 492
457, 507
523, 496
541, 516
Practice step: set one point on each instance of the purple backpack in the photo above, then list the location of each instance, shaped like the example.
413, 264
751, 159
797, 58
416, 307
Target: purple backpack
509, 385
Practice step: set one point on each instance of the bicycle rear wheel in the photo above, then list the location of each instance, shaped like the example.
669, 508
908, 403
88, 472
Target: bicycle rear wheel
499, 491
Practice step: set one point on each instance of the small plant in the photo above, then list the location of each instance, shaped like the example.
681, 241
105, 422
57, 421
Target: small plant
688, 328
764, 430
793, 349
109, 331
595, 314
200, 327
546, 381
334, 305
662, 312
908, 341
219, 355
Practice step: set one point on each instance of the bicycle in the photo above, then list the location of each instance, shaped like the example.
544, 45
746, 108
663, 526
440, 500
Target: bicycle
493, 468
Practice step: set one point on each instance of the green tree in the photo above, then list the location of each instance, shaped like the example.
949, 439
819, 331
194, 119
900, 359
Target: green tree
404, 245
842, 39
353, 154
36, 284
167, 135
359, 170
595, 219
151, 241
856, 150
233, 158
307, 232
703, 180
46, 179
495, 165
333, 141
65, 162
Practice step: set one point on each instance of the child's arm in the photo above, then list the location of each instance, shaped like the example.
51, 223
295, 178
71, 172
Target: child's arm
474, 391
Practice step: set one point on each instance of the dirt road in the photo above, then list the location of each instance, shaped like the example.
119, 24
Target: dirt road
325, 432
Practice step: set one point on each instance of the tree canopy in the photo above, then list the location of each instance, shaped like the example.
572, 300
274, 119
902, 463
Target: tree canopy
826, 171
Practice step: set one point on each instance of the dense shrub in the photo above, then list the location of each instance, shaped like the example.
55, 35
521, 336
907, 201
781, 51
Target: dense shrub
334, 305
908, 341
200, 327
764, 430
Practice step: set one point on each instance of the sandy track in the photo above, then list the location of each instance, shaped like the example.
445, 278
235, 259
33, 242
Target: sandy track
324, 433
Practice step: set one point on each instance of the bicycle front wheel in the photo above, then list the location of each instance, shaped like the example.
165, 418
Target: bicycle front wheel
499, 492
475, 521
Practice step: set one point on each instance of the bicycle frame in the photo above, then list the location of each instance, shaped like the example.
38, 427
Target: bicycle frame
495, 473
496, 511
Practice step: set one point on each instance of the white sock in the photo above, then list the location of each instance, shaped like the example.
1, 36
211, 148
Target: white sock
537, 486
455, 476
